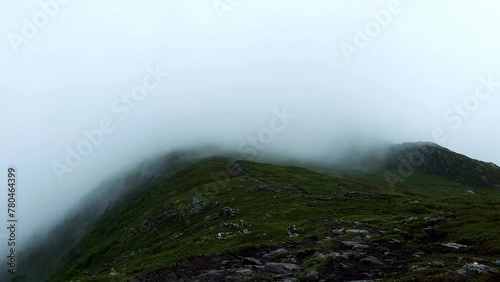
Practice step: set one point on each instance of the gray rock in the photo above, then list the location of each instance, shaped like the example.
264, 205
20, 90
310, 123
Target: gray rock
280, 268
338, 231
252, 261
497, 262
455, 246
373, 260
420, 268
223, 235
312, 276
395, 242
434, 220
344, 266
229, 212
276, 253
461, 273
355, 245
428, 229
343, 255
176, 235
292, 232
357, 231
216, 204
437, 264
481, 268
244, 272
351, 196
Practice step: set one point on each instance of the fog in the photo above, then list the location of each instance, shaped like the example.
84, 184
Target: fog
124, 81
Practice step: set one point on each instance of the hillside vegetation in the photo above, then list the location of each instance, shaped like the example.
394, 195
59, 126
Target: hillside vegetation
223, 220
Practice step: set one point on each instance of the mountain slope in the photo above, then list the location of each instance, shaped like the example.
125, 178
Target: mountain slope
221, 220
437, 160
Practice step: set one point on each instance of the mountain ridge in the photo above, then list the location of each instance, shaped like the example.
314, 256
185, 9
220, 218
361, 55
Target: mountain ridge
151, 232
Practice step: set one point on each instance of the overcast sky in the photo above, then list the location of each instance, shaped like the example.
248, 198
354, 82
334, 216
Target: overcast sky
346, 72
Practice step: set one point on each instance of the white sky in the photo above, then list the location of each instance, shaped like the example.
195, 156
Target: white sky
227, 76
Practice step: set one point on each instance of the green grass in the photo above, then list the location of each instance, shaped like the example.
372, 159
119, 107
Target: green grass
297, 197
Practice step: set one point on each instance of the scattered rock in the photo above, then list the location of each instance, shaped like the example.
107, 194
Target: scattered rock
412, 202
263, 185
480, 268
419, 268
455, 246
245, 231
251, 261
344, 266
244, 272
357, 231
355, 245
223, 235
351, 196
175, 236
292, 232
280, 268
395, 242
276, 253
461, 273
338, 231
229, 212
343, 255
434, 220
437, 264
312, 276
373, 260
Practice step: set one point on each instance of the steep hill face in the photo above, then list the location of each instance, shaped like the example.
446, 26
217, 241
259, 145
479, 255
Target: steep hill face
222, 220
437, 160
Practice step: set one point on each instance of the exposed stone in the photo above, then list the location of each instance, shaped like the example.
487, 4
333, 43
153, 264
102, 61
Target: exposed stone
280, 268
455, 246
229, 212
252, 261
373, 260
351, 196
419, 268
481, 268
395, 242
434, 220
437, 264
176, 235
355, 245
263, 185
312, 276
343, 255
292, 232
344, 266
357, 231
244, 272
412, 202
276, 253
223, 235
216, 204
461, 273
338, 231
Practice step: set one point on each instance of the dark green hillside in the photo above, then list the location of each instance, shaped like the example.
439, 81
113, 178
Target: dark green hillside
274, 222
440, 161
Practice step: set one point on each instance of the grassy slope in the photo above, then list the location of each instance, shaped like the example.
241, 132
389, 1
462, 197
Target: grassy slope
268, 211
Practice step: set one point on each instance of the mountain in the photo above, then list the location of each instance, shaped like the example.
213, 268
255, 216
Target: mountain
429, 218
